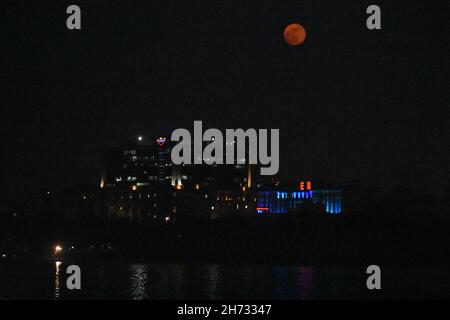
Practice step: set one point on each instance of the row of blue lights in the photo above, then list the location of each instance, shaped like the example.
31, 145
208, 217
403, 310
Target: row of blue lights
295, 195
331, 203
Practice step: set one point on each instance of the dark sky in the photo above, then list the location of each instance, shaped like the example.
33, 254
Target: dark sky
350, 103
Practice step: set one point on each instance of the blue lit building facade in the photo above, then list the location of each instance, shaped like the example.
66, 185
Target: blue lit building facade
275, 202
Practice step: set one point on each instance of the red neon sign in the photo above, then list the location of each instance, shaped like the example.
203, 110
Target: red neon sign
161, 141
262, 209
305, 185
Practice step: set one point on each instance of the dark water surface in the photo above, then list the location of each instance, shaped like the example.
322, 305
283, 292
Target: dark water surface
113, 280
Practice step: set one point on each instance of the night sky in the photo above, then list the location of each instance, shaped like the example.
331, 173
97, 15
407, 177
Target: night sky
351, 104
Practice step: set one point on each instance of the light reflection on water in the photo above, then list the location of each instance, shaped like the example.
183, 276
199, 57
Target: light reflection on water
56, 293
115, 280
214, 281
306, 278
138, 281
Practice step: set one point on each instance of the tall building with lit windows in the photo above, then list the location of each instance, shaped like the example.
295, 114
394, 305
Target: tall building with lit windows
138, 165
137, 182
141, 183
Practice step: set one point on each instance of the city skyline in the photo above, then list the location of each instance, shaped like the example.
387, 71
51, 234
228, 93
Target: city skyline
350, 103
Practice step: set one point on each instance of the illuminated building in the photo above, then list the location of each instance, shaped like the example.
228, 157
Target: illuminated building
140, 183
138, 165
328, 200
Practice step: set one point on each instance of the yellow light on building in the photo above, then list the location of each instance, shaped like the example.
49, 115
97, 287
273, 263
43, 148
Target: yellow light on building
134, 187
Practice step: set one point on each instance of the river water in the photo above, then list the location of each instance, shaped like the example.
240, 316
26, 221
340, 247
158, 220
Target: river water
113, 280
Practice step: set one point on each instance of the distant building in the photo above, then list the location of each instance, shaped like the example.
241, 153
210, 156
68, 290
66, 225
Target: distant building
304, 197
140, 183
139, 165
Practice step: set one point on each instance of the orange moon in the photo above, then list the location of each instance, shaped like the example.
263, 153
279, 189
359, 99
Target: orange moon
294, 34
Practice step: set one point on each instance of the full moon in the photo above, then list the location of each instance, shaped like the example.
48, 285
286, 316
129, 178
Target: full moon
294, 34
